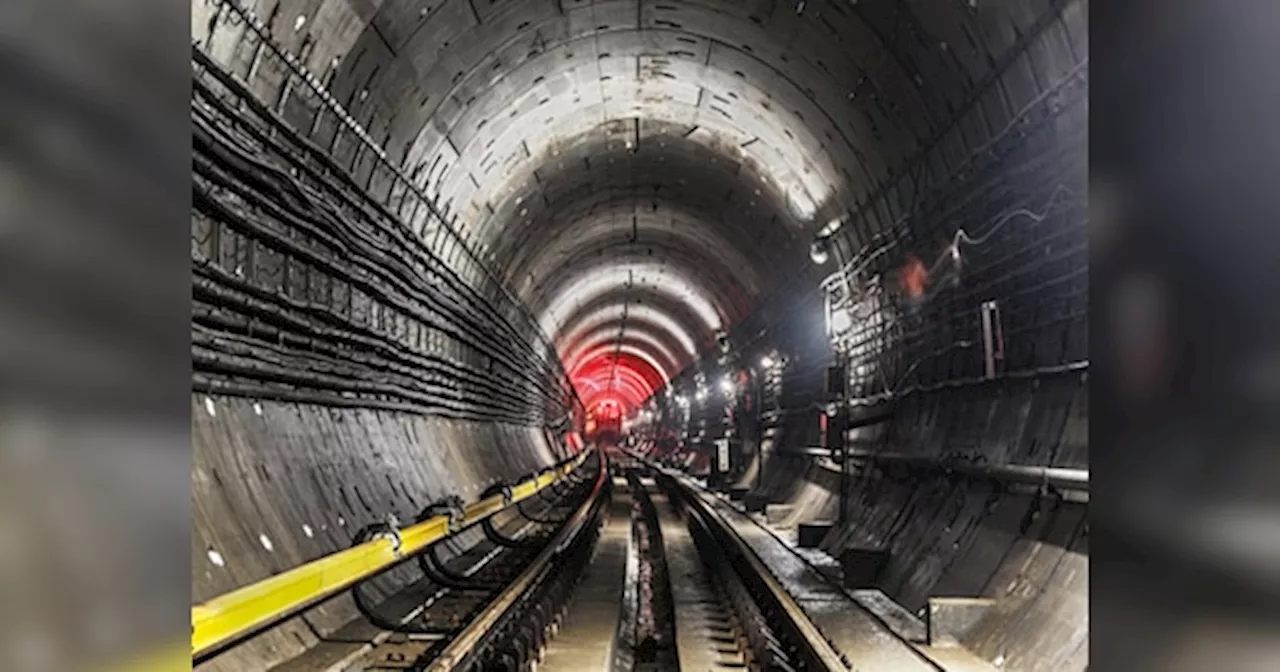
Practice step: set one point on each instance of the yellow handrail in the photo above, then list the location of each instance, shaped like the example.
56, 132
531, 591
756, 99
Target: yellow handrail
243, 610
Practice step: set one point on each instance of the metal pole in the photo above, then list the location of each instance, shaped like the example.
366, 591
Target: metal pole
759, 420
842, 401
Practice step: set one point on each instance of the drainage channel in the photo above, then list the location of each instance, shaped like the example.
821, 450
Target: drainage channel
653, 640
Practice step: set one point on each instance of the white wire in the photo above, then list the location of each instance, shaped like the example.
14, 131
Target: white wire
963, 237
842, 275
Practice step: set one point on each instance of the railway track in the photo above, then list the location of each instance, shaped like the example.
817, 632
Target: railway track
736, 625
623, 566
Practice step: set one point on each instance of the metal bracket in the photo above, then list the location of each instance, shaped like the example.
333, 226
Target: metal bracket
450, 506
391, 530
497, 488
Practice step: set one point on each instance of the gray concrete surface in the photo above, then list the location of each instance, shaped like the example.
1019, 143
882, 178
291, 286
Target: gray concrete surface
868, 626
304, 479
856, 632
950, 618
661, 165
704, 630
587, 637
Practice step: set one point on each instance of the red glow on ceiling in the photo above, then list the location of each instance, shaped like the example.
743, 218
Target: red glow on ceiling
614, 380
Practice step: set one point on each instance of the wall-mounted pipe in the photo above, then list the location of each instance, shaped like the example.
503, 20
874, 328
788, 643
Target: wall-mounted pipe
1061, 478
230, 617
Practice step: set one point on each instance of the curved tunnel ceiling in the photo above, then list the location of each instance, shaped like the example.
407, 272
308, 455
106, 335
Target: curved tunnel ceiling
644, 171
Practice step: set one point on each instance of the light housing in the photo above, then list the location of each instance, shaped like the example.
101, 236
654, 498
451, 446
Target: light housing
819, 251
841, 321
820, 248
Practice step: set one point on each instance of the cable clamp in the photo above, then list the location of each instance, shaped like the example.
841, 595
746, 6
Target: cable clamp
391, 531
451, 507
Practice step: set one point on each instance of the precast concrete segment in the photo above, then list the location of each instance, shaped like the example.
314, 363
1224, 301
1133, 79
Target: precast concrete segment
586, 639
248, 608
708, 136
773, 116
305, 478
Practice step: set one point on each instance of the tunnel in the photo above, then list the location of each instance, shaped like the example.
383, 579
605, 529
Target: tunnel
824, 262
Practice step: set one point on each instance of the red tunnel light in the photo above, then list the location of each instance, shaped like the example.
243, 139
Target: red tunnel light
615, 383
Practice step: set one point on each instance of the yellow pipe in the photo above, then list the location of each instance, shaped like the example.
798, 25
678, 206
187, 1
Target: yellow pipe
250, 607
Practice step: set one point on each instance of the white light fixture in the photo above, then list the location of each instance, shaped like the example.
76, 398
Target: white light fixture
840, 321
820, 248
767, 362
701, 395
818, 251
726, 385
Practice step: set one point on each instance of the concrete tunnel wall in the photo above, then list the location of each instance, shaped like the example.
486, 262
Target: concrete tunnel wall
750, 128
946, 535
949, 536
306, 478
283, 474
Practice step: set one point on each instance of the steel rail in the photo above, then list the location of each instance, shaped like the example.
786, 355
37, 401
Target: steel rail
231, 617
819, 653
466, 642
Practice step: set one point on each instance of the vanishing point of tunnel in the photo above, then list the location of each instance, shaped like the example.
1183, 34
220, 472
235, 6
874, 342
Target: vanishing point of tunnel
794, 287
